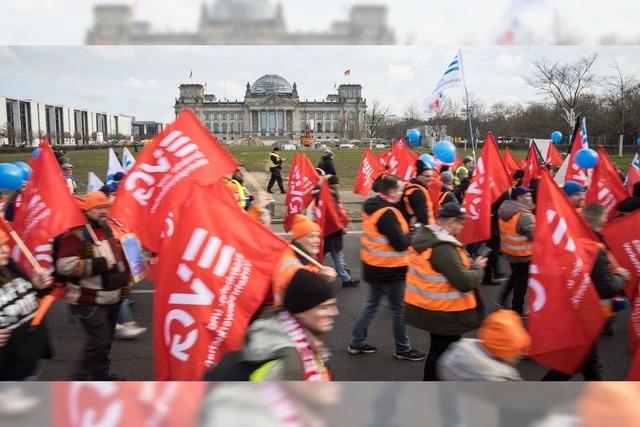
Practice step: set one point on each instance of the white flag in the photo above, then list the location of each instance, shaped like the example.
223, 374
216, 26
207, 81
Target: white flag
114, 166
94, 183
453, 77
636, 162
127, 159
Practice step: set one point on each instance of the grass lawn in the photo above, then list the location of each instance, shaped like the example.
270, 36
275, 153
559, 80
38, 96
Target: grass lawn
254, 159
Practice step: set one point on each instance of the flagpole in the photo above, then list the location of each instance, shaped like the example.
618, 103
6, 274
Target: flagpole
466, 96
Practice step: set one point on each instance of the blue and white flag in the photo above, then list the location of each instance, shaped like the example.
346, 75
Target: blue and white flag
114, 166
583, 129
636, 162
127, 159
94, 183
453, 77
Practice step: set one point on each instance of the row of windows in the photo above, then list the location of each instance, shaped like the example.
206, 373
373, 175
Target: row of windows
320, 127
233, 115
224, 128
327, 115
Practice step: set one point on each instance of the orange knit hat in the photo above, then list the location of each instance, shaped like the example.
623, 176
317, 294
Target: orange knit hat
303, 225
503, 335
4, 237
97, 199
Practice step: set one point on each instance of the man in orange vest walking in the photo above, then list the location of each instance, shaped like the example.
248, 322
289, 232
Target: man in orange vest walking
517, 224
417, 206
384, 255
441, 285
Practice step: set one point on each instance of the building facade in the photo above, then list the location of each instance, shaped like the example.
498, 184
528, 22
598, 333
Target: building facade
273, 110
145, 129
240, 22
25, 121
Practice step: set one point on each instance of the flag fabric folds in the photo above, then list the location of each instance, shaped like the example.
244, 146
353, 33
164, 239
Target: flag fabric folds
369, 169
303, 178
453, 77
606, 187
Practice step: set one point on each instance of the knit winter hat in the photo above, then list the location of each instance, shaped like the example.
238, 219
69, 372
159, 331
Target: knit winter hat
4, 237
503, 335
306, 291
421, 167
303, 225
571, 187
96, 199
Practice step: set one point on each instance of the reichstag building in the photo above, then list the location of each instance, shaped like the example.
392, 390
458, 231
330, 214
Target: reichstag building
273, 111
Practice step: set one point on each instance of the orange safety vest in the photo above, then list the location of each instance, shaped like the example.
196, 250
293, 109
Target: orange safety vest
375, 248
408, 191
512, 243
443, 195
288, 265
430, 290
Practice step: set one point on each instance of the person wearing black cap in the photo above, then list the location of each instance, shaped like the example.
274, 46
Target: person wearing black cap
442, 283
275, 167
517, 224
416, 205
284, 344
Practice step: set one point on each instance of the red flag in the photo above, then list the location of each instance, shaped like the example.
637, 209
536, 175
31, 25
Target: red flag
435, 189
553, 157
122, 404
510, 162
402, 162
46, 210
303, 178
327, 215
211, 279
633, 176
369, 169
490, 180
532, 166
383, 158
575, 172
623, 239
606, 187
565, 317
186, 153
399, 143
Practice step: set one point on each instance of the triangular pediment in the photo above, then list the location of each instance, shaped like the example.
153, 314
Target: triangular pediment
271, 100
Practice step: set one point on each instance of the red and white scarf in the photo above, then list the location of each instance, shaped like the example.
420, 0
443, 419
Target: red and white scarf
283, 406
313, 360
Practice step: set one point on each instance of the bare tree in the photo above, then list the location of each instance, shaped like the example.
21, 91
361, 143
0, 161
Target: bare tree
620, 89
412, 115
565, 83
375, 117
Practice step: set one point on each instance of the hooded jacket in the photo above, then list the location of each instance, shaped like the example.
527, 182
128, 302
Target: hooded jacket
467, 360
326, 164
526, 224
389, 226
266, 341
446, 260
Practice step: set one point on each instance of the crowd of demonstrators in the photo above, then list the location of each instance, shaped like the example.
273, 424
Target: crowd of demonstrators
21, 344
417, 206
442, 285
517, 225
284, 343
94, 275
446, 195
632, 203
609, 281
502, 341
464, 172
384, 255
275, 168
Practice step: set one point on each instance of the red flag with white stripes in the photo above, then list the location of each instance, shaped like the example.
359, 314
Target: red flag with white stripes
575, 172
606, 187
553, 157
303, 178
210, 281
565, 317
402, 162
533, 166
633, 176
327, 215
510, 162
369, 169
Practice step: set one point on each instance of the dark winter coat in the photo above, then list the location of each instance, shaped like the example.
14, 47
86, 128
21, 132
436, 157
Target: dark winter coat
326, 164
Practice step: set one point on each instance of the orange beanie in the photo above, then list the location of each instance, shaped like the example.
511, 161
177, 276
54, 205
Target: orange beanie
503, 335
303, 225
4, 237
97, 199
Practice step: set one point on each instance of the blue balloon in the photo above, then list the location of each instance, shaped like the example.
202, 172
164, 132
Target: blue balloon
638, 141
556, 137
445, 151
35, 153
428, 160
10, 177
413, 135
25, 168
586, 158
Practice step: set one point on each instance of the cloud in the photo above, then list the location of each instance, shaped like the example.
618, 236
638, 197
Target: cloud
506, 62
136, 83
400, 73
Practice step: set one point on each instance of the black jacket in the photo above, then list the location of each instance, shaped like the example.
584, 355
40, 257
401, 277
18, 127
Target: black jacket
326, 164
389, 226
607, 283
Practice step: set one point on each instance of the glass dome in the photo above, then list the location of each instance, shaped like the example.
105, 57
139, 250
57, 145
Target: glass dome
271, 83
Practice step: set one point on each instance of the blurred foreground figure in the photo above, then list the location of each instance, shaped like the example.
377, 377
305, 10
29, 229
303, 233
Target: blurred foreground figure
269, 404
14, 401
610, 404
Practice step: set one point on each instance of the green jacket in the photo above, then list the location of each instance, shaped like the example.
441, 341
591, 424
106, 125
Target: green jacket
446, 260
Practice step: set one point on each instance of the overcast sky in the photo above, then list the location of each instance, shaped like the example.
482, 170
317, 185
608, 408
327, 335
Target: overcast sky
56, 22
143, 81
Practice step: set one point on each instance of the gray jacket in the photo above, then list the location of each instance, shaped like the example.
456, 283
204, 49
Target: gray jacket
526, 224
466, 360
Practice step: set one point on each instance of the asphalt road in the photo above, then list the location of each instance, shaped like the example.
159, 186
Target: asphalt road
134, 359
